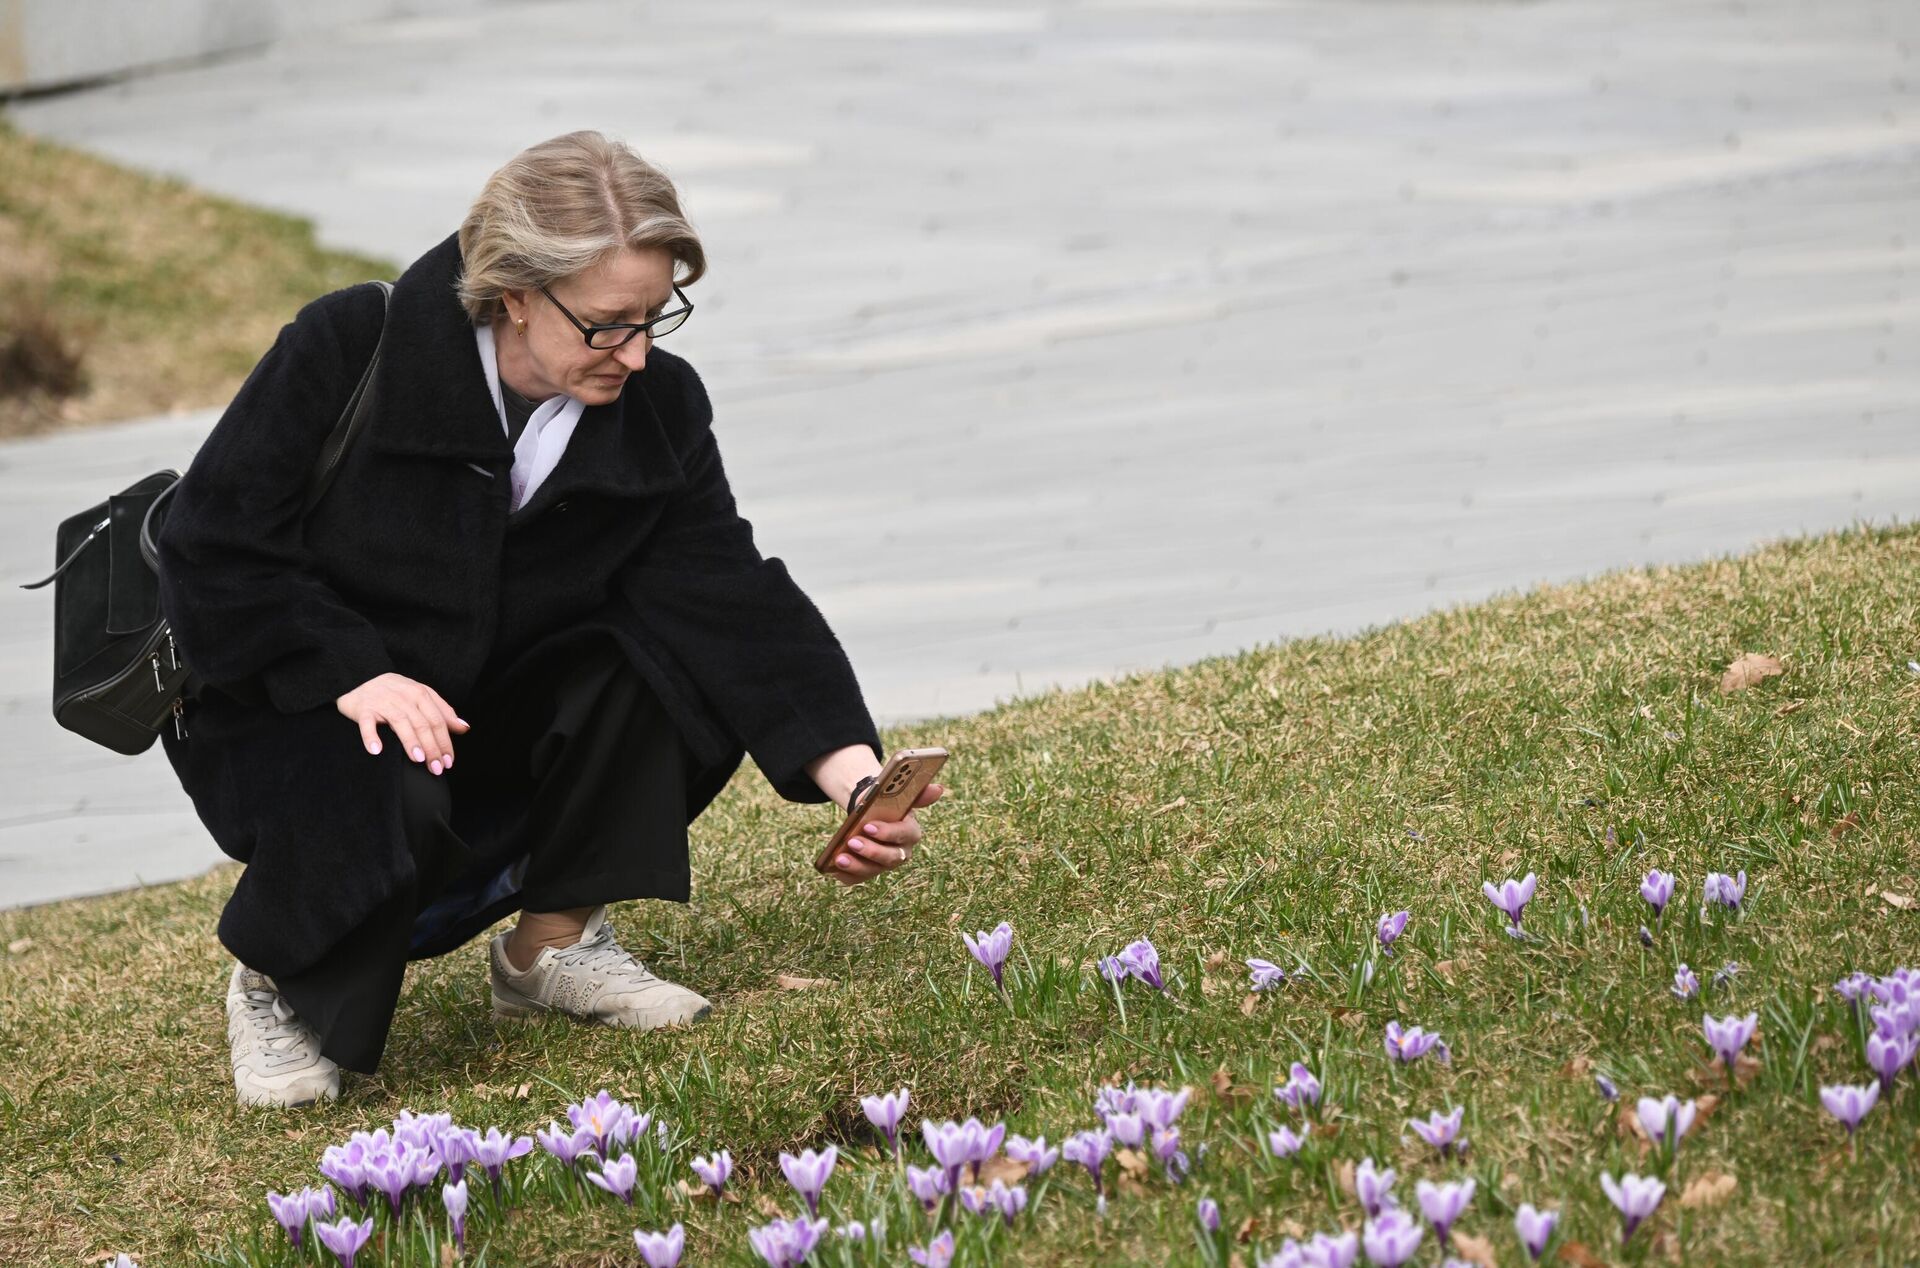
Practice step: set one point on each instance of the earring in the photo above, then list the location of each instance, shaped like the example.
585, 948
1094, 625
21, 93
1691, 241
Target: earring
520, 327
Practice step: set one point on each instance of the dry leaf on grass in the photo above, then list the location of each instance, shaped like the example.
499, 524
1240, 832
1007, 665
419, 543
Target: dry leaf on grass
1577, 1254
1004, 1169
1343, 1173
765, 1204
1249, 1229
1444, 968
1791, 706
788, 982
1228, 1093
1750, 668
1132, 1163
1903, 901
1846, 823
1710, 1189
446, 1255
1577, 1067
1475, 1250
1247, 1005
1217, 961
19, 946
1175, 804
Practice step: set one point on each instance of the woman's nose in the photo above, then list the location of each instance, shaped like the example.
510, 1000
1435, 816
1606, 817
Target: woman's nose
633, 353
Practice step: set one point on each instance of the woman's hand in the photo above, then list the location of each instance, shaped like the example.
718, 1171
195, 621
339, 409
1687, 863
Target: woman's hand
880, 846
413, 711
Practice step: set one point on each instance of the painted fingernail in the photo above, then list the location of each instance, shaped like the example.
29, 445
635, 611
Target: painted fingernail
447, 760
374, 748
845, 861
870, 828
434, 766
419, 755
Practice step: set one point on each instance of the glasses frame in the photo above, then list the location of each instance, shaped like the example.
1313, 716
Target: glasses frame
632, 328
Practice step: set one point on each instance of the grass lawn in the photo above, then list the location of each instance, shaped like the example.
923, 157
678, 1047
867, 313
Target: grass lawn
1273, 804
167, 295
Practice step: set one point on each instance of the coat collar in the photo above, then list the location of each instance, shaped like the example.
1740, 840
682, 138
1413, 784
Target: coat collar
431, 399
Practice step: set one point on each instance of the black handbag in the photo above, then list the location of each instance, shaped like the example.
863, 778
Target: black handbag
117, 676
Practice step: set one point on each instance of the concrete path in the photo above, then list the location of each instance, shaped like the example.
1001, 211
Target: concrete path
1055, 341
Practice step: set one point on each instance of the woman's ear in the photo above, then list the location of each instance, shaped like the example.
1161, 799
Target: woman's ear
515, 304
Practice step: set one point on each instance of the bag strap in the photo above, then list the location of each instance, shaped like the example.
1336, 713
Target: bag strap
353, 418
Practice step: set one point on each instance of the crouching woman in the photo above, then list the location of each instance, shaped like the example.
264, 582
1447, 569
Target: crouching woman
519, 645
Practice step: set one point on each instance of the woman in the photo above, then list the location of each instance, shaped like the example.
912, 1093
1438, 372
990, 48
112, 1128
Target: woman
520, 644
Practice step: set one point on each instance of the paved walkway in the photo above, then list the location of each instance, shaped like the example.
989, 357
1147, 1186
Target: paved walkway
1056, 341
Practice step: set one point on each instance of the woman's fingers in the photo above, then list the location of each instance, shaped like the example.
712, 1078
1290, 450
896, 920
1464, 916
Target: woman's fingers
928, 795
370, 732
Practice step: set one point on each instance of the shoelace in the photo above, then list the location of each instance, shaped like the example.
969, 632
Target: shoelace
602, 953
274, 1024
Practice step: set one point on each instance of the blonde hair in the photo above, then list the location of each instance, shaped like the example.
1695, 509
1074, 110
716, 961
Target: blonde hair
561, 206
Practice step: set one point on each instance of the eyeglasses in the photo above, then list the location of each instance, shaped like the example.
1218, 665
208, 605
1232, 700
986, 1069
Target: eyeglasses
618, 334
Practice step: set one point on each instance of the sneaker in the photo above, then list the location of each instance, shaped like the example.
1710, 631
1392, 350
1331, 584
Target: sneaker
276, 1056
594, 979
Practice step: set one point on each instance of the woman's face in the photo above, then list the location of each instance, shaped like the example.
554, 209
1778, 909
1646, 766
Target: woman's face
549, 356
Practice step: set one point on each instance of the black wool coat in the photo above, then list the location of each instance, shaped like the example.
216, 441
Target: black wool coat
412, 564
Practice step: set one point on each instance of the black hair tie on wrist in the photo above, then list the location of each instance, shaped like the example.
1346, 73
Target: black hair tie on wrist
853, 798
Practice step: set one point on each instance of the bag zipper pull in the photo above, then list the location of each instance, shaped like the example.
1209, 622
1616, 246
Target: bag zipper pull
157, 684
173, 653
179, 719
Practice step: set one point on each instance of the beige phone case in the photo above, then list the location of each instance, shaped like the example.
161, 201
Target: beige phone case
892, 793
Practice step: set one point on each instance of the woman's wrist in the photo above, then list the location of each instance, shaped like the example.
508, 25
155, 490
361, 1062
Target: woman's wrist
836, 772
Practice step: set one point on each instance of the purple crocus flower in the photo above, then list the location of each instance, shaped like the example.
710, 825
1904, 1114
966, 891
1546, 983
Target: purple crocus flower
493, 1151
1439, 1130
290, 1212
1391, 1238
392, 1172
1089, 1149
1412, 1043
1128, 1130
1158, 1108
991, 948
1635, 1197
1646, 936
1009, 1202
1608, 1092
1849, 1104
1207, 1211
617, 1176
457, 1147
929, 1186
1284, 1143
1391, 927
714, 1172
955, 1145
1534, 1228
1511, 897
937, 1254
1301, 1089
1113, 968
1442, 1204
1726, 973
1657, 888
1035, 1153
661, 1250
1166, 1147
346, 1166
808, 1174
1728, 1035
1665, 1120
1335, 1250
1685, 984
565, 1145
1266, 974
853, 1230
1373, 1187
1887, 1056
1853, 987
884, 1112
786, 1243
608, 1119
1728, 891
344, 1238
454, 1196
1143, 961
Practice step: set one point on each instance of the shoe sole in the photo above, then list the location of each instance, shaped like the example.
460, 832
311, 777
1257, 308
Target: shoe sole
510, 1005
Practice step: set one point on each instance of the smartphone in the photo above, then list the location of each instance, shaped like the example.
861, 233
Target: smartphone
888, 798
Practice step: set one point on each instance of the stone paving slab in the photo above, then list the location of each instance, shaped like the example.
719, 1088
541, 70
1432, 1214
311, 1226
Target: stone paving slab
1155, 330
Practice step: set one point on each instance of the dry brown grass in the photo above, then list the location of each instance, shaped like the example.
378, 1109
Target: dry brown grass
167, 295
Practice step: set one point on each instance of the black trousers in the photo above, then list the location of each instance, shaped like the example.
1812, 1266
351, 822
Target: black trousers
570, 790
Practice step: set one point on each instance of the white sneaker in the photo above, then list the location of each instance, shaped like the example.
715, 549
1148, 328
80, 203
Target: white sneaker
593, 979
276, 1057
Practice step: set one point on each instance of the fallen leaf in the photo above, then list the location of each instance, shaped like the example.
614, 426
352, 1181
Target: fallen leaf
1228, 1093
1630, 1126
1902, 901
1709, 1189
1445, 969
788, 982
1247, 1005
1579, 1256
1002, 1168
1704, 1106
1846, 823
1132, 1163
522, 1092
1329, 1130
1475, 1250
1175, 804
446, 1255
1748, 669
1343, 1173
765, 1204
19, 946
1249, 1229
1217, 961
1578, 1067
1791, 706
